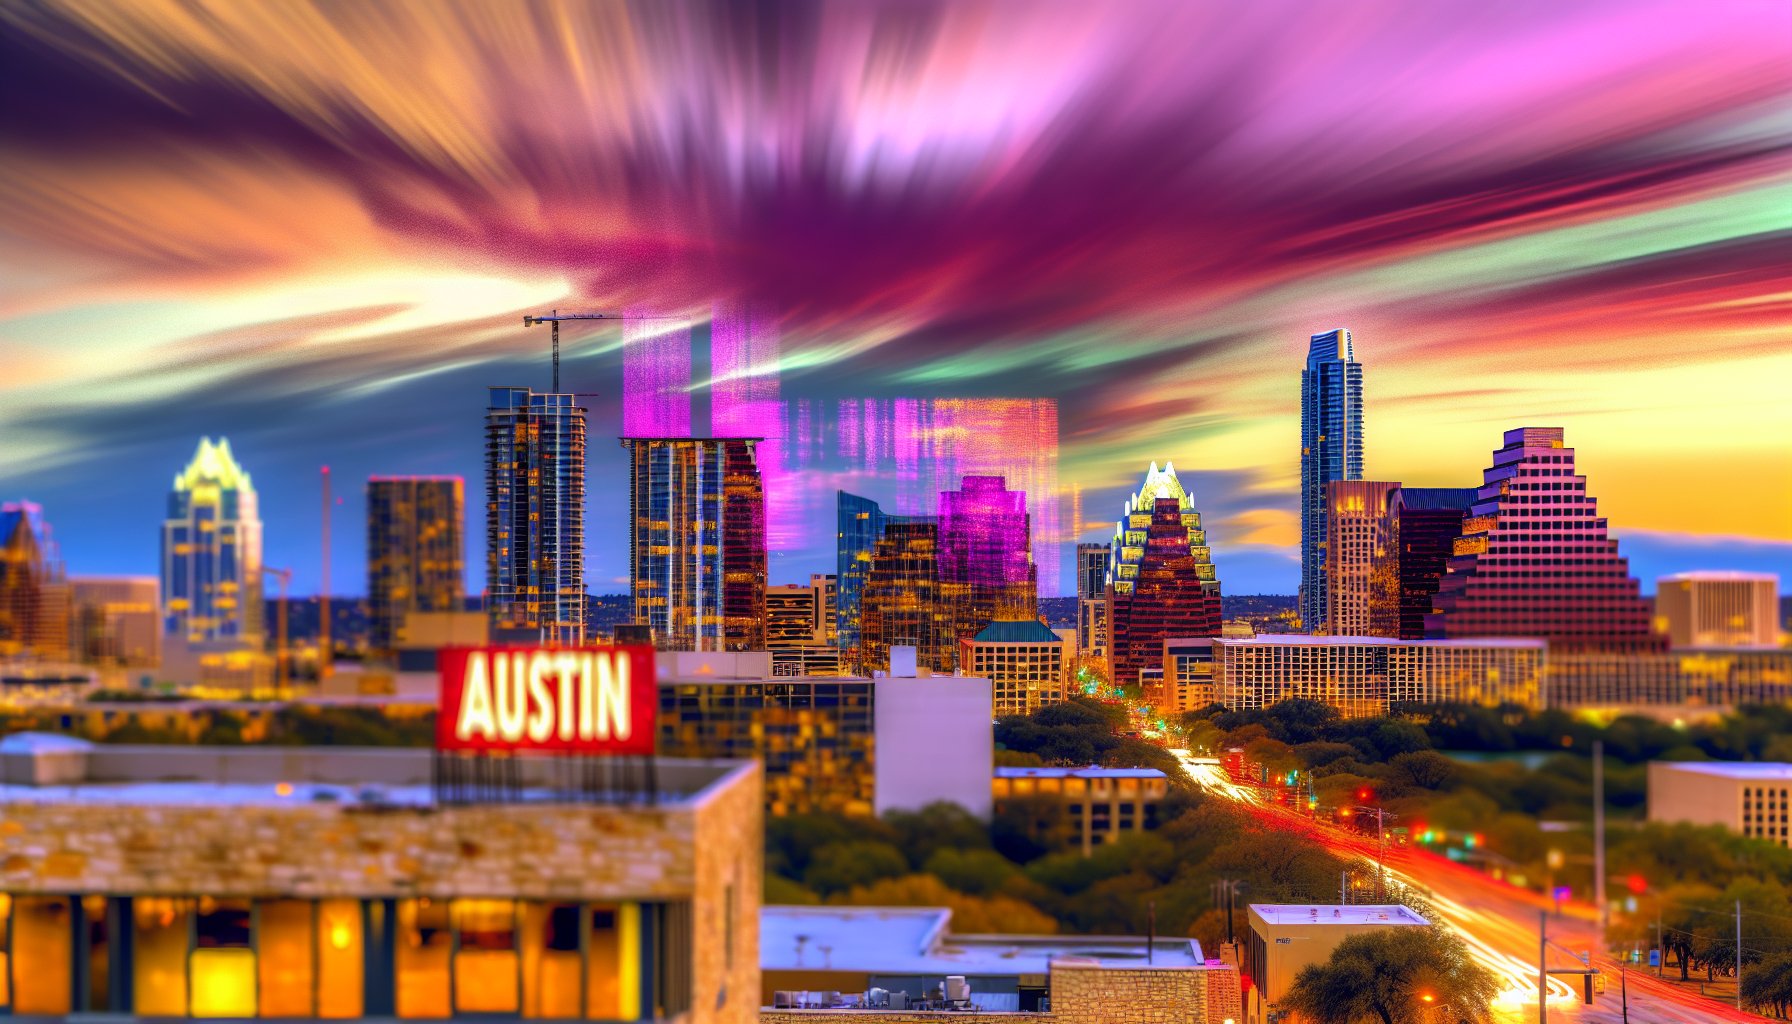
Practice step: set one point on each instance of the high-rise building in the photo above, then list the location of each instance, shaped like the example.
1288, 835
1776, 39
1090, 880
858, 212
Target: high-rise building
415, 545
1534, 560
1425, 524
117, 620
211, 551
535, 516
1331, 448
1091, 599
697, 542
859, 525
1365, 677
1166, 596
1127, 550
1092, 570
827, 606
1359, 534
1718, 609
902, 604
34, 598
986, 555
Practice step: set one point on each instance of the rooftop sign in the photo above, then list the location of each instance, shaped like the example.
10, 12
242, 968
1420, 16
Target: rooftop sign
598, 700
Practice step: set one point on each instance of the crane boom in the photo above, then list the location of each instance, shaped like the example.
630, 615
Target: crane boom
556, 316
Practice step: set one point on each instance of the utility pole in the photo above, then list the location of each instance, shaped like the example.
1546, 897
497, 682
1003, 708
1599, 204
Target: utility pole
1151, 932
1381, 846
1343, 888
1661, 943
1739, 956
326, 655
1624, 989
1542, 966
1599, 837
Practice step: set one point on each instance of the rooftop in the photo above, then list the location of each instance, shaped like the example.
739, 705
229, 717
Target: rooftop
1304, 640
1090, 772
1718, 576
1026, 631
1733, 769
1324, 913
916, 940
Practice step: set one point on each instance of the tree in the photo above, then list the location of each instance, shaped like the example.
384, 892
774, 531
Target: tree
1395, 975
840, 866
1768, 986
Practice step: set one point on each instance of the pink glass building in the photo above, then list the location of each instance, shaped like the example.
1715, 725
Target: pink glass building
1534, 559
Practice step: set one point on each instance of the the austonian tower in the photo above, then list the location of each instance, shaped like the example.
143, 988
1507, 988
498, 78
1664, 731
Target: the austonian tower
1331, 448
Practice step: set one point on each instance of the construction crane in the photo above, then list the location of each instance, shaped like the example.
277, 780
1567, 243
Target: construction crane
556, 316
281, 676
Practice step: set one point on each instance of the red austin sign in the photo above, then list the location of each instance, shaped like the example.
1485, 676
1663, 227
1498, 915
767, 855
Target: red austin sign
568, 700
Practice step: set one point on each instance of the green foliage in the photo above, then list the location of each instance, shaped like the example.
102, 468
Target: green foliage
1768, 986
1072, 733
349, 727
779, 889
939, 825
1028, 827
977, 872
791, 840
838, 867
1386, 976
1017, 759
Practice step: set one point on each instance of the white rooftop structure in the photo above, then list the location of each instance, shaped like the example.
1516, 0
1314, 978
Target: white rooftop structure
1323, 913
917, 940
1755, 771
1091, 772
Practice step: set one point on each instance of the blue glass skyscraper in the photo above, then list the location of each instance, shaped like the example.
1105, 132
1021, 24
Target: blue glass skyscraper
1331, 448
535, 515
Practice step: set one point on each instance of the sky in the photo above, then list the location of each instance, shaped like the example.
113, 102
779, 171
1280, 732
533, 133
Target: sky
315, 230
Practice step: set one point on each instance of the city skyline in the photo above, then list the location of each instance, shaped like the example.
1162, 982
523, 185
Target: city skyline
1584, 242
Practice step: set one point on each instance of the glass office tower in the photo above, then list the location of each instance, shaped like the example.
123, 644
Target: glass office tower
1130, 532
1331, 448
697, 542
414, 550
535, 516
211, 551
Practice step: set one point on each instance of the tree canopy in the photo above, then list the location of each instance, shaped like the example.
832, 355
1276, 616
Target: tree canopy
1396, 975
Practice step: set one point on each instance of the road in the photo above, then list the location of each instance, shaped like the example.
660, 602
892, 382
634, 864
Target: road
1500, 923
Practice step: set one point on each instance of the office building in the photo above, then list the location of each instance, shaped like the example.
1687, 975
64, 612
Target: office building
1534, 559
1711, 678
860, 525
1359, 540
1093, 805
697, 542
1364, 676
1169, 593
415, 550
1127, 550
1187, 676
790, 617
1331, 448
1283, 939
1092, 627
34, 594
837, 745
827, 607
1718, 609
1092, 570
902, 603
336, 882
535, 516
1751, 798
211, 552
1424, 525
986, 568
883, 964
1024, 661
117, 621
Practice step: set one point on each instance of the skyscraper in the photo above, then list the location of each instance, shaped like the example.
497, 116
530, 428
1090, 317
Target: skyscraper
902, 602
415, 544
117, 620
697, 542
1425, 524
34, 595
1127, 550
211, 551
535, 515
860, 525
1533, 559
986, 556
1092, 599
1166, 596
1359, 534
1331, 448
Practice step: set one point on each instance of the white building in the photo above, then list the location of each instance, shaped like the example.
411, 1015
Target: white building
1750, 797
1718, 609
